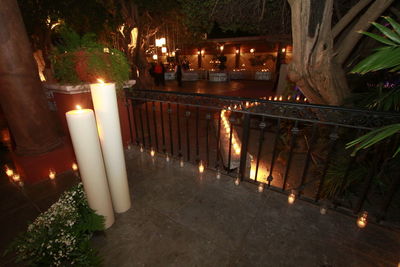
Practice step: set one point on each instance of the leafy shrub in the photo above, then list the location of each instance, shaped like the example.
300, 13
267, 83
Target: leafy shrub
60, 236
82, 59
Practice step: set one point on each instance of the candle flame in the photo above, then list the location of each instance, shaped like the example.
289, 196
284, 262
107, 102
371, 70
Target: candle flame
100, 80
78, 107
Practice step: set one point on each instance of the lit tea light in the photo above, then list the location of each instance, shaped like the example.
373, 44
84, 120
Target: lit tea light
74, 166
9, 172
152, 152
261, 187
280, 98
298, 98
237, 181
289, 97
362, 220
52, 174
201, 167
237, 151
16, 178
305, 99
291, 198
275, 98
270, 98
218, 174
323, 210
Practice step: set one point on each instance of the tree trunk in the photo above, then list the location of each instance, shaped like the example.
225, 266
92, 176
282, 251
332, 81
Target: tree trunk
312, 68
317, 65
21, 94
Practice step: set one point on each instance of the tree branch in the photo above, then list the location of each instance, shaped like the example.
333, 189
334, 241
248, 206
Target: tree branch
352, 38
350, 15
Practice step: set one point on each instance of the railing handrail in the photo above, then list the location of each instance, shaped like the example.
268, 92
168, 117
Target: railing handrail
329, 115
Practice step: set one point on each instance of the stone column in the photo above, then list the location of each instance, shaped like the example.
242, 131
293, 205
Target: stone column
21, 95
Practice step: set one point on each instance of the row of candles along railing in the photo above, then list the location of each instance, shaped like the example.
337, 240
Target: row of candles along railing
234, 140
361, 221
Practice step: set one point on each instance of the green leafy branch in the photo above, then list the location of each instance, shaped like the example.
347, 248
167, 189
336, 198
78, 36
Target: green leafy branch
387, 57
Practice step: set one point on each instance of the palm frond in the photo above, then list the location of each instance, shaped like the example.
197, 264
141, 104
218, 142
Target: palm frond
374, 137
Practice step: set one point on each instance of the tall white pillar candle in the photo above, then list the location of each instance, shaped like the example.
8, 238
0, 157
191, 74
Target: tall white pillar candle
85, 140
106, 108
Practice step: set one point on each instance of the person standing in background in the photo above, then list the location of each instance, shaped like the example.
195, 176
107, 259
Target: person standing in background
159, 71
178, 74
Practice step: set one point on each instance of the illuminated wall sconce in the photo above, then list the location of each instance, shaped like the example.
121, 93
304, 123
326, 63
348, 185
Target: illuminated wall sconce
252, 50
163, 49
52, 174
362, 220
292, 197
155, 57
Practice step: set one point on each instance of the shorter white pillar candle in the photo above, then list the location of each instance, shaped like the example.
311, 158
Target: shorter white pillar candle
85, 140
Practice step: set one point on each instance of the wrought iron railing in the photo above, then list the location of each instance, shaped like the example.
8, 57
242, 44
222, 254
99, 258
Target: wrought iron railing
291, 147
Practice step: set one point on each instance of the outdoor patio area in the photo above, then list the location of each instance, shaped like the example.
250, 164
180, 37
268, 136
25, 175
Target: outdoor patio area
182, 218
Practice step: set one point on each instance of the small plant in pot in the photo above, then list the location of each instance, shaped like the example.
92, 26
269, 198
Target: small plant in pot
77, 60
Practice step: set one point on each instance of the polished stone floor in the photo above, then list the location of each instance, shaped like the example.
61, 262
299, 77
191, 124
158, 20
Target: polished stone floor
182, 218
